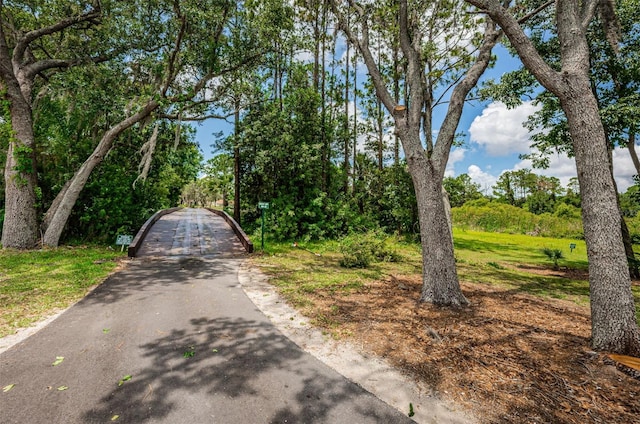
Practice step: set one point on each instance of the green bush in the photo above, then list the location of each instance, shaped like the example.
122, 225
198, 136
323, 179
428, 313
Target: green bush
360, 250
500, 217
554, 255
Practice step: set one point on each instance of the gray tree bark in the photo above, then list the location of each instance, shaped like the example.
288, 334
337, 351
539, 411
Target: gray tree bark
20, 229
613, 321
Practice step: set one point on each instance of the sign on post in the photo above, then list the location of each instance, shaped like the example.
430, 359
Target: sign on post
123, 240
263, 206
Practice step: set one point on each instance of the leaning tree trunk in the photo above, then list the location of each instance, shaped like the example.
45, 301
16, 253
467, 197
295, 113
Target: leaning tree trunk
613, 321
64, 205
613, 315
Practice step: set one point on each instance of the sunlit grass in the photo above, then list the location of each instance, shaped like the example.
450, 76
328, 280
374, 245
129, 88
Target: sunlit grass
482, 247
34, 284
507, 260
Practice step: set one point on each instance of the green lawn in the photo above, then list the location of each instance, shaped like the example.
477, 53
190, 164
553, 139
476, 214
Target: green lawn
36, 283
515, 249
509, 260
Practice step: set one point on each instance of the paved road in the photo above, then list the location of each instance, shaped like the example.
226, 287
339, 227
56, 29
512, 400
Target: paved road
196, 348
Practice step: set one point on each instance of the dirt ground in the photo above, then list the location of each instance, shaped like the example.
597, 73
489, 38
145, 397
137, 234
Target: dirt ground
508, 357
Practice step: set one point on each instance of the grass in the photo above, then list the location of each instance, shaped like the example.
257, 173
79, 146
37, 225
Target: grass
514, 249
315, 266
509, 260
34, 284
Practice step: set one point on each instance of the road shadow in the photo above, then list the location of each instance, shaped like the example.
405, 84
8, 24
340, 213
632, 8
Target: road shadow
234, 370
149, 277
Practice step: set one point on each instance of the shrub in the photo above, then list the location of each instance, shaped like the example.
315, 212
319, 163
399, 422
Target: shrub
504, 218
360, 250
554, 255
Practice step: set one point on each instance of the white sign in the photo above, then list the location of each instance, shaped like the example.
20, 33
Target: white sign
123, 240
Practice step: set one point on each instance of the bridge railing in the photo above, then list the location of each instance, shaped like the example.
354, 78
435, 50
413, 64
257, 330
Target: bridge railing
242, 236
139, 238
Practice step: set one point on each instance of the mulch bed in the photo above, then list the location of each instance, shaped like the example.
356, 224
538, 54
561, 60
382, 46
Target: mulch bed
508, 357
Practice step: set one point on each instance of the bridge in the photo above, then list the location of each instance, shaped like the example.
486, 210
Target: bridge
190, 232
171, 338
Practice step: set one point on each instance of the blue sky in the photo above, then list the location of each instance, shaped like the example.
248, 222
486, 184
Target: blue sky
495, 139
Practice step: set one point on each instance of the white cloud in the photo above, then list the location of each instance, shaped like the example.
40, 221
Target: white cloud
560, 166
481, 177
304, 56
500, 130
623, 169
456, 155
564, 168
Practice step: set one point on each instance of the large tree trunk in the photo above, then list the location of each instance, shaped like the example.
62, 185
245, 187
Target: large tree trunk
440, 283
62, 207
613, 320
20, 227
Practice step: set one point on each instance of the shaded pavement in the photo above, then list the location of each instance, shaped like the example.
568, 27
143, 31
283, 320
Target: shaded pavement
195, 347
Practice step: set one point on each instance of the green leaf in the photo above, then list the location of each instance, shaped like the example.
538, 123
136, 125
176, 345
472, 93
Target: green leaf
58, 361
411, 413
62, 388
5, 389
123, 379
115, 417
215, 351
106, 330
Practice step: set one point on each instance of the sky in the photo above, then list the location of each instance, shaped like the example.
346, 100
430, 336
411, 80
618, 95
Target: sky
495, 137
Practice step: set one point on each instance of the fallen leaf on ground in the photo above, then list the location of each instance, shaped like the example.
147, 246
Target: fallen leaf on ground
123, 379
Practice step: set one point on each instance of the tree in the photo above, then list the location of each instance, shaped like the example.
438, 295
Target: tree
26, 54
461, 189
219, 172
614, 326
192, 26
429, 66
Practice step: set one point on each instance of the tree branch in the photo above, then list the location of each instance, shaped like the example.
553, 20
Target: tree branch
381, 89
458, 96
414, 65
535, 11
199, 118
587, 12
527, 51
42, 65
171, 72
23, 43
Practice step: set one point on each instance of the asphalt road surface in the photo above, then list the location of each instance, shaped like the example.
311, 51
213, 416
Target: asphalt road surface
173, 339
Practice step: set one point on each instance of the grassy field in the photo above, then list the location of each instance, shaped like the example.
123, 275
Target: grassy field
35, 284
509, 260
